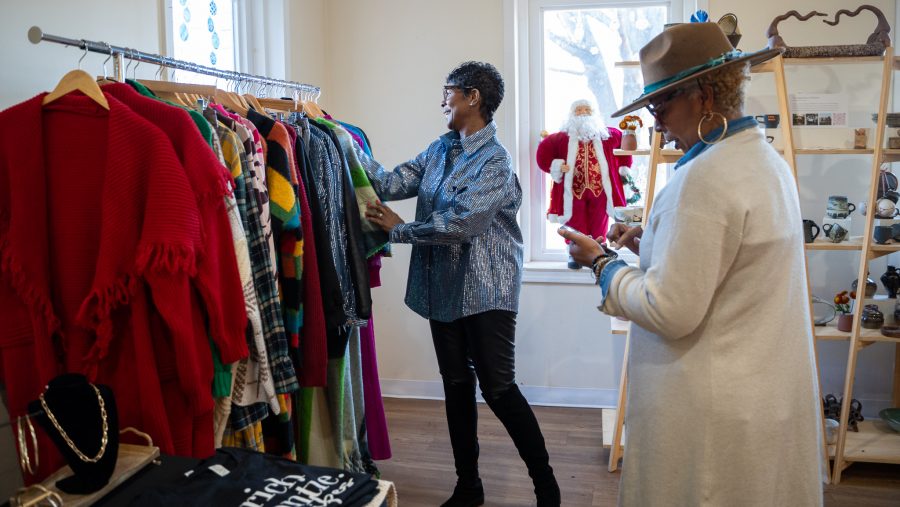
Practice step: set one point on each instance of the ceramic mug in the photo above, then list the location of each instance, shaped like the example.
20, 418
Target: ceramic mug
883, 233
808, 235
839, 206
886, 208
892, 195
769, 121
835, 232
895, 232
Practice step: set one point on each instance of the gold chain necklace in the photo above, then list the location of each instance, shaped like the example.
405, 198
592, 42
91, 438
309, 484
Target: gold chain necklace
69, 441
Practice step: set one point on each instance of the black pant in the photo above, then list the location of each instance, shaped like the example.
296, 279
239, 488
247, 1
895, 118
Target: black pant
482, 345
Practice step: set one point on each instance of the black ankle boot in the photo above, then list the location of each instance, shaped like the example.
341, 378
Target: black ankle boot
466, 496
548, 495
516, 415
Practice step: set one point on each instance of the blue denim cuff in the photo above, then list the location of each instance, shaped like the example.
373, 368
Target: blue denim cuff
606, 277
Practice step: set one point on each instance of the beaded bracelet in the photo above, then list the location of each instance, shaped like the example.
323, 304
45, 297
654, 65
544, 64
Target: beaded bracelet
601, 261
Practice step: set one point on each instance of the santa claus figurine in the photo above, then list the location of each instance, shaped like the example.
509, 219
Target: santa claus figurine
587, 177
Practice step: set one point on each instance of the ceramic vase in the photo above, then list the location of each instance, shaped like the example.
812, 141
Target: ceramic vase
871, 287
845, 322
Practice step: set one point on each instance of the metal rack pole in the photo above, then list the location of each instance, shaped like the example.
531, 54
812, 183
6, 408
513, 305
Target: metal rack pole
36, 35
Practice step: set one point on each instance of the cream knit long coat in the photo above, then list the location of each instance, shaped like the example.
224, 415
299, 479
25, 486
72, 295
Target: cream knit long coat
721, 407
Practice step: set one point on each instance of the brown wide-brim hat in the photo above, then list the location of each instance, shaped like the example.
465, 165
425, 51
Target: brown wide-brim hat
685, 52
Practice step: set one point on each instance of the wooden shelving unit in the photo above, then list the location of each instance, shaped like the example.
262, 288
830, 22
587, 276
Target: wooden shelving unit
875, 442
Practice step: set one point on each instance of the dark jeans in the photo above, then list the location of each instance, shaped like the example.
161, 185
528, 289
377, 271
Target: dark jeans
482, 345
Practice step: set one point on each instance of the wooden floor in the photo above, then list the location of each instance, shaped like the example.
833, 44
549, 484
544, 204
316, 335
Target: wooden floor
422, 463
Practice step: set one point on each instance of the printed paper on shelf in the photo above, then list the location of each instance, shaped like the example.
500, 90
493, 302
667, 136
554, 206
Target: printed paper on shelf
825, 110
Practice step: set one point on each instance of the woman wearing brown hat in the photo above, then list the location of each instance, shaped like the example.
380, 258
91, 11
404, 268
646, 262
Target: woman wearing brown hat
722, 396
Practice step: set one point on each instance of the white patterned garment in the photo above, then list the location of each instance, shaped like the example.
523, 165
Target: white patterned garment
722, 405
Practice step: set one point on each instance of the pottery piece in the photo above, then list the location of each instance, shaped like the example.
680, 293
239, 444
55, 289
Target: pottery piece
872, 318
891, 416
835, 232
891, 331
629, 141
891, 281
831, 431
845, 322
886, 208
809, 235
871, 287
882, 234
839, 206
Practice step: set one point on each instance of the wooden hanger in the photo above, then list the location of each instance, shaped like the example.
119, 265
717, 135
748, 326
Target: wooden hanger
278, 105
232, 101
185, 94
311, 108
253, 101
78, 80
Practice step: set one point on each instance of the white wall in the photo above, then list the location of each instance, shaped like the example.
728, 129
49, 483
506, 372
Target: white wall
29, 69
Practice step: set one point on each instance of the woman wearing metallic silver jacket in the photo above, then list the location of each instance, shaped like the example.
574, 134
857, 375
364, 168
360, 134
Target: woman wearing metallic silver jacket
466, 272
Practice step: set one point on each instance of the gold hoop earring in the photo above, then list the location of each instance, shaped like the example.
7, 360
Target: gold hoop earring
24, 456
707, 117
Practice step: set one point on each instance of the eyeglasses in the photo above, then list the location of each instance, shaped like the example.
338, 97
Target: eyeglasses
659, 109
448, 90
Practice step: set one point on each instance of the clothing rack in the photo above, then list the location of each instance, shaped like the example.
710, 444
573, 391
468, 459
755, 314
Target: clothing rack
36, 35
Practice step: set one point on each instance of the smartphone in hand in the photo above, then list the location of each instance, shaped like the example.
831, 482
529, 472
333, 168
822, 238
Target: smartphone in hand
569, 229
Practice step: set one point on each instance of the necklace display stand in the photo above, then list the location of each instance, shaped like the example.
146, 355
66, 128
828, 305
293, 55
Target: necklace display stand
85, 431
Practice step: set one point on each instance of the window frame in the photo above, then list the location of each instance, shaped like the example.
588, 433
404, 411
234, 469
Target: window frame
524, 56
168, 6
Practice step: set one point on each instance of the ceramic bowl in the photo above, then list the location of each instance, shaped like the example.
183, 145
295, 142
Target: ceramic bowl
629, 214
892, 417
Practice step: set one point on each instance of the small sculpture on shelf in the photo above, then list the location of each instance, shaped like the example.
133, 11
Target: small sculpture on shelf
860, 139
874, 46
891, 281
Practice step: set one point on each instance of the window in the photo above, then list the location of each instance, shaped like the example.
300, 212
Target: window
202, 32
576, 49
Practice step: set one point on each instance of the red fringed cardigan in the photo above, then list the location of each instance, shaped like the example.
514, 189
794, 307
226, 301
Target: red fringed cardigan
100, 243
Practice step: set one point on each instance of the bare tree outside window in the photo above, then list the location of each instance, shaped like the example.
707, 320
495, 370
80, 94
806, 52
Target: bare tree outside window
581, 48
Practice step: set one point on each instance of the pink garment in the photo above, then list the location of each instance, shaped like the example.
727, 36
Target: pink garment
376, 423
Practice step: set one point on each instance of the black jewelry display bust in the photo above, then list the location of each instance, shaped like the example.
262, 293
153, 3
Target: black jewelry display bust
73, 401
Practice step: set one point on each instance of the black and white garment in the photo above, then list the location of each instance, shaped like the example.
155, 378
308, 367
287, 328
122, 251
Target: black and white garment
246, 478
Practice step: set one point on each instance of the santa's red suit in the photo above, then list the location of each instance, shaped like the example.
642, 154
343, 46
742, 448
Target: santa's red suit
580, 197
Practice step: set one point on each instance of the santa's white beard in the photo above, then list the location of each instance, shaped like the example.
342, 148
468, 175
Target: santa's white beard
584, 128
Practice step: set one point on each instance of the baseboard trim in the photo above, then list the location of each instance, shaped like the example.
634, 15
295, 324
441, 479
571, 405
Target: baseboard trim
537, 395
